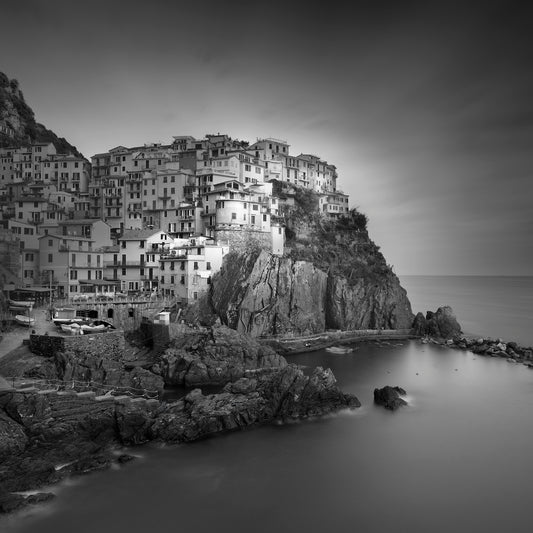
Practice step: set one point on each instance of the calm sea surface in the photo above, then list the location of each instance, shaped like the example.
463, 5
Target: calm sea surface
484, 305
458, 458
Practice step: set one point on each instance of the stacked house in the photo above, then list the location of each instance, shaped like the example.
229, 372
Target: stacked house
154, 218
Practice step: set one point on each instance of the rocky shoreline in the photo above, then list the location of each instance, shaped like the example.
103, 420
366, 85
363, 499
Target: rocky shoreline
49, 434
488, 347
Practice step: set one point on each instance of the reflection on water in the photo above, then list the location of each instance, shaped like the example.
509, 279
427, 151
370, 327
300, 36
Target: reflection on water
456, 459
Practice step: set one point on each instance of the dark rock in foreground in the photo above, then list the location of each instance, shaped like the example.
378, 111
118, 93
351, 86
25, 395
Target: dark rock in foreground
442, 324
389, 397
214, 356
46, 429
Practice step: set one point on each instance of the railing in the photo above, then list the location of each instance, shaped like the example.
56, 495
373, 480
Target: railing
81, 386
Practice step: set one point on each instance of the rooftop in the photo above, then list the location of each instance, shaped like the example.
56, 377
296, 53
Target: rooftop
136, 234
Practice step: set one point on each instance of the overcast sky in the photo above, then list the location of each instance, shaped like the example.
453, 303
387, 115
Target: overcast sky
425, 107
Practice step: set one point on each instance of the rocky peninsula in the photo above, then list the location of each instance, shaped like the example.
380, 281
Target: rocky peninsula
47, 433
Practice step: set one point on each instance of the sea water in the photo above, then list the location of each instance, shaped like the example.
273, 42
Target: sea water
457, 458
497, 306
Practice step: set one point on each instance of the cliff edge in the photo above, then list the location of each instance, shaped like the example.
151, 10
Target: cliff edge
332, 276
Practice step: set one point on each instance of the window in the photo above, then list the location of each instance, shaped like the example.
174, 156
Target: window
208, 266
182, 280
123, 271
195, 265
233, 216
50, 258
50, 242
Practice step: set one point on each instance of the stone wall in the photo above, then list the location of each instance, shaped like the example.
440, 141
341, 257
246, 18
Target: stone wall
161, 337
241, 240
111, 344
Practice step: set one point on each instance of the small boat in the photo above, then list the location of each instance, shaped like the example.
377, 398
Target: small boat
88, 328
105, 323
71, 329
24, 320
67, 321
339, 350
17, 310
21, 303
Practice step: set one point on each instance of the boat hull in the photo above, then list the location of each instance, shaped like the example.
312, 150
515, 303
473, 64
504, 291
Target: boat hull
24, 320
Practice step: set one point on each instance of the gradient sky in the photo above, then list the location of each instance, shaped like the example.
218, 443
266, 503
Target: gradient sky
425, 107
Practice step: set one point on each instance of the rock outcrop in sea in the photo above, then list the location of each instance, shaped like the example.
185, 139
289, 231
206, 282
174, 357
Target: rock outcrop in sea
41, 429
389, 397
442, 324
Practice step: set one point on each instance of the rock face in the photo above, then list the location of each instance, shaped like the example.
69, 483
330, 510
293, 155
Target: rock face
214, 356
100, 360
20, 120
442, 324
282, 394
44, 430
389, 397
261, 294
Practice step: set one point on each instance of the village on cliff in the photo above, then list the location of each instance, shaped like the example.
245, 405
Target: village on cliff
152, 219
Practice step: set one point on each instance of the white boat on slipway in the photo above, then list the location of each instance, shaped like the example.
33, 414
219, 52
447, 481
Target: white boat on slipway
24, 320
21, 303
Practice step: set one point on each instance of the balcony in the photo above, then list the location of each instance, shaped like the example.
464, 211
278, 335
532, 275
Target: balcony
130, 263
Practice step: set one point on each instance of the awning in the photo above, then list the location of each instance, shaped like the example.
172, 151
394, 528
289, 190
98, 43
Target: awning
36, 290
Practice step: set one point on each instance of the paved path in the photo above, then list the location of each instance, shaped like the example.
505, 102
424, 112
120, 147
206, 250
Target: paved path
13, 339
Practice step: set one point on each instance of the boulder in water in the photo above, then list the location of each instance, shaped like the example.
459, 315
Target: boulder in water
389, 397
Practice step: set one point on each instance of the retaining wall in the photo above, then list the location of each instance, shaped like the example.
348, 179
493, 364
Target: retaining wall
110, 343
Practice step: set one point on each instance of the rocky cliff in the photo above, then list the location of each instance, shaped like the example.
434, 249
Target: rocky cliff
17, 121
214, 356
332, 276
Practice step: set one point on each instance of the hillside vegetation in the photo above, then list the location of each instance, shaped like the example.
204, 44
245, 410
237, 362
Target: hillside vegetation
19, 119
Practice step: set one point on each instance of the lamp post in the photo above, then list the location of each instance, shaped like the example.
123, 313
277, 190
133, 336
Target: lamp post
50, 275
